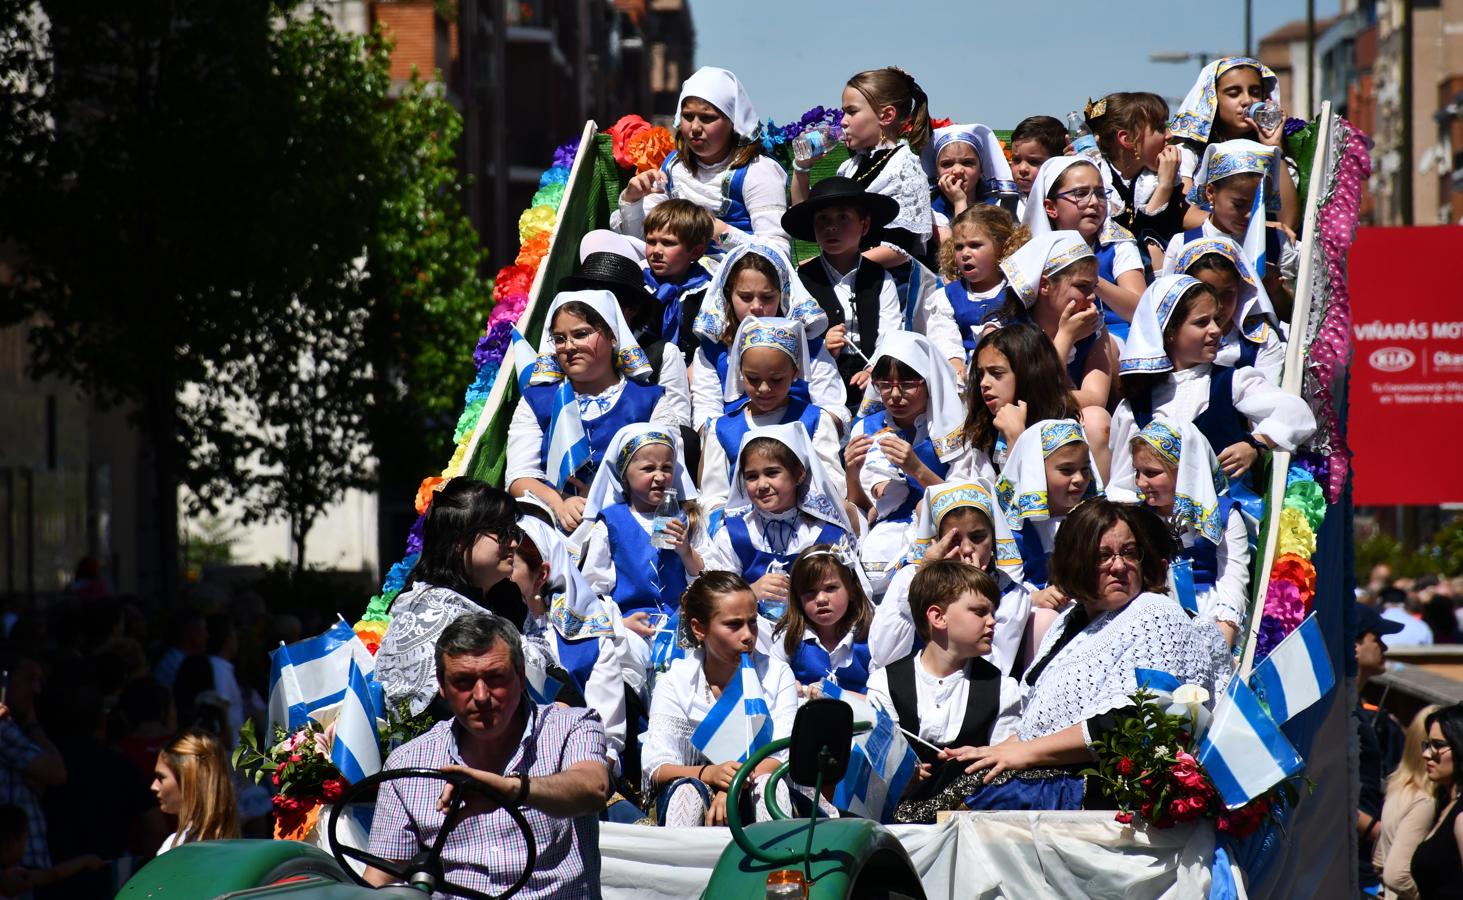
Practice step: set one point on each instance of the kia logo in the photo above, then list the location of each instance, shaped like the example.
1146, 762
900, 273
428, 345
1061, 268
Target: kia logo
1392, 359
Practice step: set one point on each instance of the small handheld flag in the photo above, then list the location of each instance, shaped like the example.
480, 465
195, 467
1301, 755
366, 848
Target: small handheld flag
524, 359
312, 674
1296, 674
740, 723
1244, 751
355, 751
880, 766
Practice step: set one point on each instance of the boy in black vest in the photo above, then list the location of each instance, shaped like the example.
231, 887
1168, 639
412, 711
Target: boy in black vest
860, 297
946, 693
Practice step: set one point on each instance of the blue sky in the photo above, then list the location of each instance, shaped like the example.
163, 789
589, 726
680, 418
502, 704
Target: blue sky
978, 61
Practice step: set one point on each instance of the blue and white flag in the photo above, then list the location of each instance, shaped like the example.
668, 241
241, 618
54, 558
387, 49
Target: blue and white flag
356, 751
1255, 232
542, 687
1243, 751
664, 648
312, 674
524, 359
1156, 680
568, 444
880, 765
740, 723
1296, 674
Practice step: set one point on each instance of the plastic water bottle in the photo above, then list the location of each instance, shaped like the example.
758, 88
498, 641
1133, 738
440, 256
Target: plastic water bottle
813, 143
1266, 114
1082, 140
773, 609
668, 510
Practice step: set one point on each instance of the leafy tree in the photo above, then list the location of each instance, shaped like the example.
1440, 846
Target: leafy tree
223, 224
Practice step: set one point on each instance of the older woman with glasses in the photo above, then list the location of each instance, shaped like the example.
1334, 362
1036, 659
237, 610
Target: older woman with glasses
1112, 559
466, 565
1437, 864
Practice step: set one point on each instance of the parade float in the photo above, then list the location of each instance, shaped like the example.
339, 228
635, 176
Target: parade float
1179, 834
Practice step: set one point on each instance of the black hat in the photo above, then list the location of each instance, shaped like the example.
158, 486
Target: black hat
838, 191
1369, 621
607, 271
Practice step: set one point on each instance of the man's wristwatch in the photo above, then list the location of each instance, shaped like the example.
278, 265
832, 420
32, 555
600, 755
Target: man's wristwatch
522, 793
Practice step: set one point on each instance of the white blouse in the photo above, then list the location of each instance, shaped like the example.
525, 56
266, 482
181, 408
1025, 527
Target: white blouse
682, 699
1284, 418
903, 178
1270, 360
941, 703
716, 468
525, 438
935, 318
1228, 600
1096, 671
825, 389
764, 191
891, 319
892, 635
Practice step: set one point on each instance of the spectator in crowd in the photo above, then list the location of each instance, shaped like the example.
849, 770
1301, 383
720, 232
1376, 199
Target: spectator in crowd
1378, 734
187, 636
144, 720
1437, 863
1398, 606
1407, 813
193, 782
16, 879
28, 760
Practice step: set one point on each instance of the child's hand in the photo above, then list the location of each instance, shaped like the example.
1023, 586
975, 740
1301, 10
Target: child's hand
716, 814
1236, 459
943, 547
1049, 598
922, 773
648, 182
640, 624
1283, 227
901, 453
835, 339
953, 187
1168, 163
772, 586
861, 378
1010, 420
570, 513
720, 776
857, 452
1079, 324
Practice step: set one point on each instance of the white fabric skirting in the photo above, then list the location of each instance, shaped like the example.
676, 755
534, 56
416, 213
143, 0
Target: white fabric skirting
972, 855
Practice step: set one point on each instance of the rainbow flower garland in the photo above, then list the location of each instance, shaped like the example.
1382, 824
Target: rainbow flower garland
510, 298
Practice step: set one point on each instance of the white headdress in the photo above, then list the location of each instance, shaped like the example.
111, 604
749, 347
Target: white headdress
1198, 481
608, 487
943, 499
630, 360
1051, 171
1022, 487
1195, 117
1042, 257
574, 609
1144, 350
796, 303
723, 90
995, 171
1253, 312
781, 334
946, 413
818, 496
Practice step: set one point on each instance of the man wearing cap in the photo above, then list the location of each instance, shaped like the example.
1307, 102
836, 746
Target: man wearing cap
1378, 734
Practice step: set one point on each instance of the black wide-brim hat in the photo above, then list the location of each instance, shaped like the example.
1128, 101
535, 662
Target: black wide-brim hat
838, 191
603, 270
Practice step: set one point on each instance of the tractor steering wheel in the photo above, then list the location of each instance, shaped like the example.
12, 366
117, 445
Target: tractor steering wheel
425, 869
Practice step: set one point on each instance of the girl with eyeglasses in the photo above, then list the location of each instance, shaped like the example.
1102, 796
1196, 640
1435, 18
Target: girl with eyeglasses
1070, 194
906, 439
1437, 864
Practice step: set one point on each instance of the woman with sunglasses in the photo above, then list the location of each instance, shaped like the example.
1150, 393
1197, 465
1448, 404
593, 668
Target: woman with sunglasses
1113, 560
466, 565
1437, 863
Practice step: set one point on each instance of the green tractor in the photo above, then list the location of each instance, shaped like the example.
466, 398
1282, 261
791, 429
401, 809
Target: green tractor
815, 857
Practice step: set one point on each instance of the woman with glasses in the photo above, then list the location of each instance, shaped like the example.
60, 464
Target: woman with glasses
466, 566
1070, 194
906, 440
1407, 813
1437, 863
558, 437
1112, 560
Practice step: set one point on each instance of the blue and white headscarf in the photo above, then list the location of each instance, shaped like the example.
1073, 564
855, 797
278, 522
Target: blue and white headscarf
1022, 489
818, 495
574, 609
1237, 157
1195, 118
1253, 311
945, 413
630, 360
942, 499
995, 171
1198, 480
1042, 257
1144, 350
796, 303
779, 333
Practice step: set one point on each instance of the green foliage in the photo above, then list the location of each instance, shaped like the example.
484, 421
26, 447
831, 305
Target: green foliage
225, 223
211, 544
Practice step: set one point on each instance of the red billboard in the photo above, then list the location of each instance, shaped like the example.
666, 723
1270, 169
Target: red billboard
1406, 420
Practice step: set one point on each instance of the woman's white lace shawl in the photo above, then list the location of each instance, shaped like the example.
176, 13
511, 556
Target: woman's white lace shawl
1098, 673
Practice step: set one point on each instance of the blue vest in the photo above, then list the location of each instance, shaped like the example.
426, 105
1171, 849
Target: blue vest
970, 314
646, 579
718, 355
577, 657
755, 562
811, 665
1249, 351
635, 404
925, 450
1106, 258
733, 426
1033, 556
733, 209
1220, 423
1204, 556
